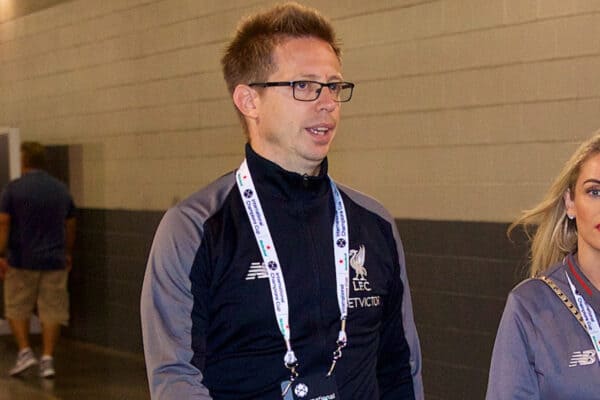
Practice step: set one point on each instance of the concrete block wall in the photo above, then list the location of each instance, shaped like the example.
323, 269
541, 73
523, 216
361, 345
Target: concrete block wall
464, 111
456, 99
462, 103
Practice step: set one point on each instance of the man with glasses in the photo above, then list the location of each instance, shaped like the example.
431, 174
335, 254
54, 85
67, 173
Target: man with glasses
273, 281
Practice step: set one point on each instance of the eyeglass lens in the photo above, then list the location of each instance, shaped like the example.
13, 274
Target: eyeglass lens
308, 91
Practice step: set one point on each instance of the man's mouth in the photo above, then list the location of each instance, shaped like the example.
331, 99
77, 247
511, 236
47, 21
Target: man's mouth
320, 131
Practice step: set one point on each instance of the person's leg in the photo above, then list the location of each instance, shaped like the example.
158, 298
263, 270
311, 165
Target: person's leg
53, 309
50, 336
20, 330
20, 292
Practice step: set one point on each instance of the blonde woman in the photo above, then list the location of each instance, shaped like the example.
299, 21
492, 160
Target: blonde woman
548, 342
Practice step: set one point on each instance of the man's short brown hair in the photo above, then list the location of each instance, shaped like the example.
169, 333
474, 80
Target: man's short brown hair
33, 155
249, 56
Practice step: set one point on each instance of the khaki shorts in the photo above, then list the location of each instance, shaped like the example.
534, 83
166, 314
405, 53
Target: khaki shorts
24, 289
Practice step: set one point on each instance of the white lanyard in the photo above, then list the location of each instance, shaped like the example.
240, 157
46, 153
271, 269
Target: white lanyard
589, 317
271, 261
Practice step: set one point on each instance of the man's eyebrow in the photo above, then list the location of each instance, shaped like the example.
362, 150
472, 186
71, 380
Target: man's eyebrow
312, 77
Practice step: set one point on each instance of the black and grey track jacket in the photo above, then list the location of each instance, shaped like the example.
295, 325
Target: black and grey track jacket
208, 322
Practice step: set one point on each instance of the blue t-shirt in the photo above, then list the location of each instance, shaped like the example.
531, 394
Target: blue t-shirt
38, 205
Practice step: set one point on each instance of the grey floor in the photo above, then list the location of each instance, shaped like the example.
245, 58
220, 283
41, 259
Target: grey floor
83, 371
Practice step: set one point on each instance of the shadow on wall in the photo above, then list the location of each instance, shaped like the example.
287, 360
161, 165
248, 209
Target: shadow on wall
105, 285
110, 256
460, 274
81, 168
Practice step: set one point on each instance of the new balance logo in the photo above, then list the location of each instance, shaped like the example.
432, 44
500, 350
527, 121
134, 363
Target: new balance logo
579, 358
257, 271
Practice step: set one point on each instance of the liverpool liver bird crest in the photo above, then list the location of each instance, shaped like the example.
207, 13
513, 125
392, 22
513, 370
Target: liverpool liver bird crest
357, 261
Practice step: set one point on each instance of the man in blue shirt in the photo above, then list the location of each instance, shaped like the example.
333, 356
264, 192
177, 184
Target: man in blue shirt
37, 232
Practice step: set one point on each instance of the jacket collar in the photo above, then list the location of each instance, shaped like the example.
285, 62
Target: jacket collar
272, 179
582, 283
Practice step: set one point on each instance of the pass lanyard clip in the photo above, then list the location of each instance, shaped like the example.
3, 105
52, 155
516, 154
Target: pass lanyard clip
341, 343
270, 258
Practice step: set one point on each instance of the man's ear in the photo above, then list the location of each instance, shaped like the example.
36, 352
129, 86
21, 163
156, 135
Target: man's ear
246, 100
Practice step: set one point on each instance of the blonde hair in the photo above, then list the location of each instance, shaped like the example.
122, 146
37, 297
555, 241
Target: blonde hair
555, 235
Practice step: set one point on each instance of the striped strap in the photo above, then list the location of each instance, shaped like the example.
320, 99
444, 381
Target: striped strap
565, 300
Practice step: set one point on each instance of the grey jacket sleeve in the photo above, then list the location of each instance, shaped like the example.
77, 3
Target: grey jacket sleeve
512, 375
408, 321
166, 308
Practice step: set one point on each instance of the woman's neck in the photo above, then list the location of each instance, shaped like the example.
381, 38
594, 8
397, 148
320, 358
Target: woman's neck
589, 262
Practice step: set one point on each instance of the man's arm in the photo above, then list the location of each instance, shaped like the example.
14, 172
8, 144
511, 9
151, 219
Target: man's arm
4, 232
399, 359
166, 310
70, 229
408, 321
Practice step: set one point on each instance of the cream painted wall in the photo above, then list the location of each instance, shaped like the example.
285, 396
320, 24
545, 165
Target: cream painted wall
464, 109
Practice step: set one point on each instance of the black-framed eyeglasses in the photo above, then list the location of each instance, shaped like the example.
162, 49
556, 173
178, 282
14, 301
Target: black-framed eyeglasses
311, 90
